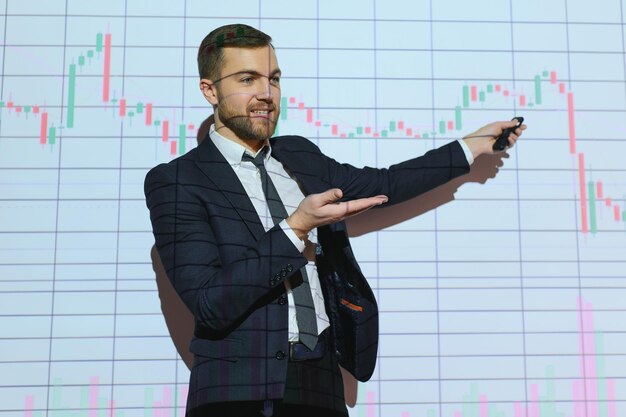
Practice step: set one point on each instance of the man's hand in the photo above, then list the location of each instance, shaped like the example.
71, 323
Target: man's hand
481, 141
320, 209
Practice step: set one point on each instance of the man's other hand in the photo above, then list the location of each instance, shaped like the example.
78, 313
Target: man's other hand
324, 208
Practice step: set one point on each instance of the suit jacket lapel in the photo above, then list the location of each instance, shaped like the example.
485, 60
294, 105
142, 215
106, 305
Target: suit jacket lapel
298, 164
219, 172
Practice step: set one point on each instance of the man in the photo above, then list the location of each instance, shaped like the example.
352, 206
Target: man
250, 231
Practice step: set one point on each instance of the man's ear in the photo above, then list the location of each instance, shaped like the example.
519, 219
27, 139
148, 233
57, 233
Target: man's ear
209, 91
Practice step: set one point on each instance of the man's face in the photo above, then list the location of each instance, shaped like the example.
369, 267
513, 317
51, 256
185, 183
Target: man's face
247, 94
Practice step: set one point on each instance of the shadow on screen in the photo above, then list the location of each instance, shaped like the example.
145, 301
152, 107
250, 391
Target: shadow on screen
483, 168
179, 319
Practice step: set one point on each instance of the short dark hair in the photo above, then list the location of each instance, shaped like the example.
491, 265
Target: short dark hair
211, 53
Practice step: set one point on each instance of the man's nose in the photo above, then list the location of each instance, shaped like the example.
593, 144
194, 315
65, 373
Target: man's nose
265, 91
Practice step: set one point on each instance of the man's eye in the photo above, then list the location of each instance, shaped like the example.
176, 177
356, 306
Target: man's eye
276, 80
246, 80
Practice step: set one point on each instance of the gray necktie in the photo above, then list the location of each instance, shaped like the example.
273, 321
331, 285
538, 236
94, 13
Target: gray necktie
305, 312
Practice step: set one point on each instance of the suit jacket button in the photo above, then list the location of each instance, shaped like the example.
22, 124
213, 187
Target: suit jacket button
283, 273
289, 267
282, 300
280, 355
274, 279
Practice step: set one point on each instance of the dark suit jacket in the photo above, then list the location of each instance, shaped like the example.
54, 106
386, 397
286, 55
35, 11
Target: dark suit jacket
230, 272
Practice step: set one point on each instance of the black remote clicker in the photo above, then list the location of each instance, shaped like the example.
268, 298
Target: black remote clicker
503, 140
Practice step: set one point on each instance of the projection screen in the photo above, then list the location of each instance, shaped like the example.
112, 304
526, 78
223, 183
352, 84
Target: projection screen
502, 294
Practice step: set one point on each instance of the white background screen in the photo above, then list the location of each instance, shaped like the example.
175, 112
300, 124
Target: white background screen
505, 297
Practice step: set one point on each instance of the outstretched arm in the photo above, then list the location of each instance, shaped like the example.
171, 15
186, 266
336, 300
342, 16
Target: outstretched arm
366, 188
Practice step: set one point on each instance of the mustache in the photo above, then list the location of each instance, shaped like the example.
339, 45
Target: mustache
243, 116
262, 108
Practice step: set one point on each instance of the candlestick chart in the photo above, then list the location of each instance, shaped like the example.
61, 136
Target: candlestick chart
505, 299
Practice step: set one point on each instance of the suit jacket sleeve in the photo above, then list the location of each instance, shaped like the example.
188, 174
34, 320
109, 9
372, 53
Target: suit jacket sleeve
221, 280
399, 182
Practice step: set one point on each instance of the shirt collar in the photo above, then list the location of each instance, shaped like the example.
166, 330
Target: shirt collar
233, 151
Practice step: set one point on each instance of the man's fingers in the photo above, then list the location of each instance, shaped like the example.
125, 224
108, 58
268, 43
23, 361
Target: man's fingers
350, 208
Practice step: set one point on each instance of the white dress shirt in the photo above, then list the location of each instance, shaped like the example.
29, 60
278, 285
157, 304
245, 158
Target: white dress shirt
291, 196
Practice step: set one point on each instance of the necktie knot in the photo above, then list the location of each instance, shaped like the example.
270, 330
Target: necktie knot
258, 161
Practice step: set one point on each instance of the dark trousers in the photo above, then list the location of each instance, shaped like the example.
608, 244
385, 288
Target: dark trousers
313, 388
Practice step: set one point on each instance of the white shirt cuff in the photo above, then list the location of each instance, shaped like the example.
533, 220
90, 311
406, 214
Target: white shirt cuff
299, 244
466, 150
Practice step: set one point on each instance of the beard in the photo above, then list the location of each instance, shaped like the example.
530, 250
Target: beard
247, 127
